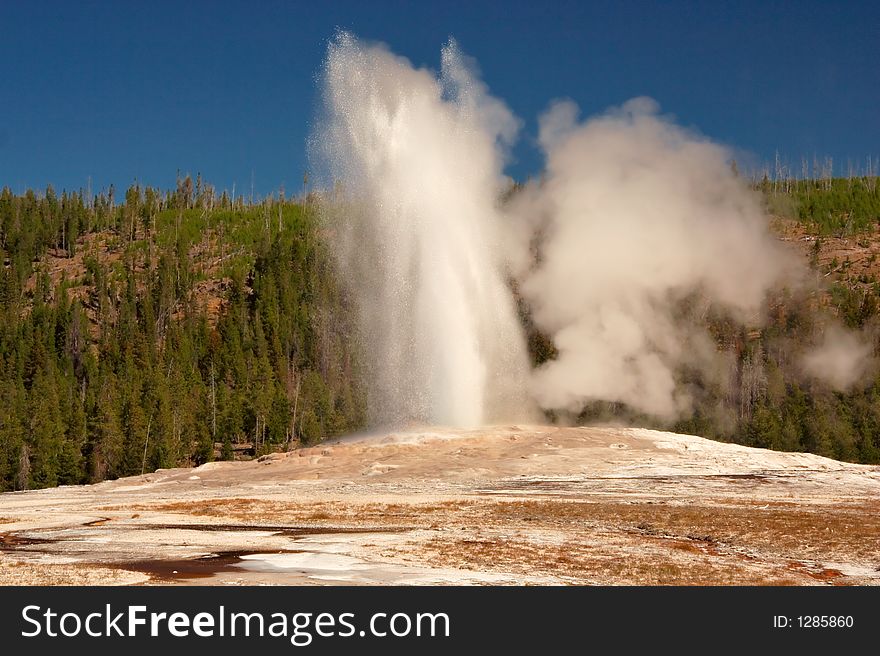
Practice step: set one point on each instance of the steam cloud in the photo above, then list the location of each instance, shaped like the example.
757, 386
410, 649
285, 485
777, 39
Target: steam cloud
634, 215
637, 214
841, 360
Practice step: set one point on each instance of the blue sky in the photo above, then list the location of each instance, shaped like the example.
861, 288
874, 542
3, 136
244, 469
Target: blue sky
124, 91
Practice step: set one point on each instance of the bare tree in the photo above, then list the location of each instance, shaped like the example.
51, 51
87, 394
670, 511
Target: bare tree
213, 405
24, 467
753, 381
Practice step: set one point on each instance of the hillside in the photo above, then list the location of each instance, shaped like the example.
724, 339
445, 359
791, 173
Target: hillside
171, 329
175, 328
498, 505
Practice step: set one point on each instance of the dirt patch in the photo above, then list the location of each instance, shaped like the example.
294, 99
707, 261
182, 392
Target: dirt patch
821, 533
21, 572
580, 563
329, 517
169, 571
290, 531
97, 522
854, 260
13, 541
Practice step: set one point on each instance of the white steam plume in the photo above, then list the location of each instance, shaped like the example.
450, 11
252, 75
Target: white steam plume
418, 159
841, 360
635, 214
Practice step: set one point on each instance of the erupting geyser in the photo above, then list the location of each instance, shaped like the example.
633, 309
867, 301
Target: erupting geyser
417, 160
635, 230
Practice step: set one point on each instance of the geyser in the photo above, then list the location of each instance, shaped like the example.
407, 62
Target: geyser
416, 159
633, 219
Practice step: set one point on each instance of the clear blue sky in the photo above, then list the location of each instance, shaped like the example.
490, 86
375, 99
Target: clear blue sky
137, 90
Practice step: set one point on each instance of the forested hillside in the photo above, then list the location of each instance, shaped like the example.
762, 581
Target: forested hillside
136, 335
171, 328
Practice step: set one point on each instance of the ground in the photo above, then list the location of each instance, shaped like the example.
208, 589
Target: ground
501, 505
853, 260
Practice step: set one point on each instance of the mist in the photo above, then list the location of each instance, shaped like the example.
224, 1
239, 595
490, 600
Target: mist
841, 359
636, 214
633, 218
417, 159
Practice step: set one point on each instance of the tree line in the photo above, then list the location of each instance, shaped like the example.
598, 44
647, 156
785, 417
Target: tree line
181, 325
